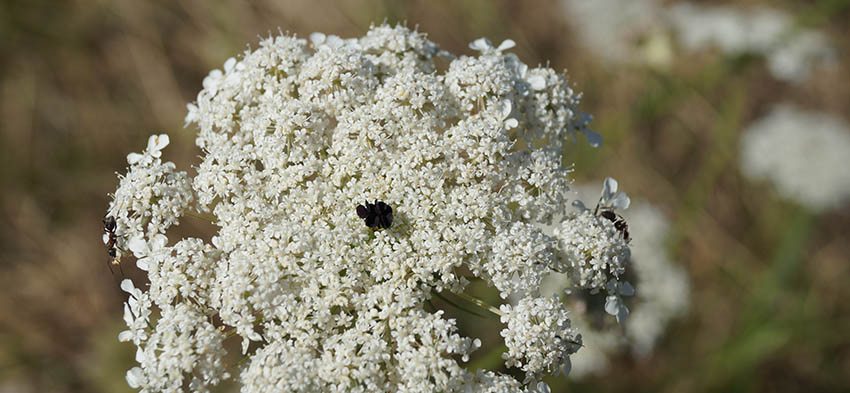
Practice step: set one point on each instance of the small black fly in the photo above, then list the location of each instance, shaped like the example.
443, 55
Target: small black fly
376, 215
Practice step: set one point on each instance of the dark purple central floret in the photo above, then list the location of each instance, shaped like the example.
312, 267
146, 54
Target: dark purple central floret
376, 215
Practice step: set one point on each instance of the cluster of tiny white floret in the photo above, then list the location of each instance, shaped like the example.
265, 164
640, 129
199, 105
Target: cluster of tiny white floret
662, 293
803, 153
295, 135
538, 336
596, 250
151, 197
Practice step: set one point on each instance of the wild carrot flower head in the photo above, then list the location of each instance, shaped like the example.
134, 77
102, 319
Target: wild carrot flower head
464, 152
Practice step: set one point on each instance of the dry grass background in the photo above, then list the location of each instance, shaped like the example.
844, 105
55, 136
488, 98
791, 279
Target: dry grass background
82, 83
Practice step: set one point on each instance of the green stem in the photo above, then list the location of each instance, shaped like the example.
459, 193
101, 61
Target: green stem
458, 306
480, 303
207, 218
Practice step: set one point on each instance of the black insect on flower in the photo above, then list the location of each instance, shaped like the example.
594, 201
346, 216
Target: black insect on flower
110, 239
376, 215
619, 222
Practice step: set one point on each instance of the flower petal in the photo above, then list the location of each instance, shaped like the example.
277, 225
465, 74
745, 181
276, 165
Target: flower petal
138, 246
626, 289
135, 377
609, 187
621, 201
159, 241
317, 38
593, 138
127, 286
506, 44
482, 44
158, 142
125, 336
537, 82
133, 158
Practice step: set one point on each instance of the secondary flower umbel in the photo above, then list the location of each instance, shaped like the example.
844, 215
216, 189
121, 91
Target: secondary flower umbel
294, 135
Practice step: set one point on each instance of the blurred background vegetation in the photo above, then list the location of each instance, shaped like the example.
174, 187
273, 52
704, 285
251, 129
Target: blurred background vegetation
83, 83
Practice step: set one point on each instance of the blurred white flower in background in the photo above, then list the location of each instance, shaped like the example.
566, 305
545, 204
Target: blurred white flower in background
791, 52
803, 154
662, 291
621, 31
644, 32
730, 29
598, 346
295, 135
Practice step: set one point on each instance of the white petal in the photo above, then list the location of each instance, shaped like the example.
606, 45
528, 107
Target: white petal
522, 69
609, 187
626, 289
125, 336
506, 44
158, 142
612, 305
335, 42
593, 138
228, 64
210, 82
127, 286
511, 123
133, 158
128, 315
481, 44
537, 82
621, 201
138, 246
135, 377
159, 241
317, 38
140, 355
192, 115
143, 264
542, 387
579, 205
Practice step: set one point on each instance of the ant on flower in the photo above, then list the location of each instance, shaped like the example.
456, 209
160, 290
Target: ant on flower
610, 200
619, 221
110, 239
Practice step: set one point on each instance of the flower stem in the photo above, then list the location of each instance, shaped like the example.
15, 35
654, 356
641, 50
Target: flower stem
480, 303
200, 216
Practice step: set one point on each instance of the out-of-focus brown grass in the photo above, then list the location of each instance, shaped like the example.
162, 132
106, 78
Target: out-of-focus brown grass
82, 83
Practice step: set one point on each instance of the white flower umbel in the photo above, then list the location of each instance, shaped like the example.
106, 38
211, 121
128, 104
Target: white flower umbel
538, 336
595, 250
661, 294
295, 135
804, 154
151, 197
